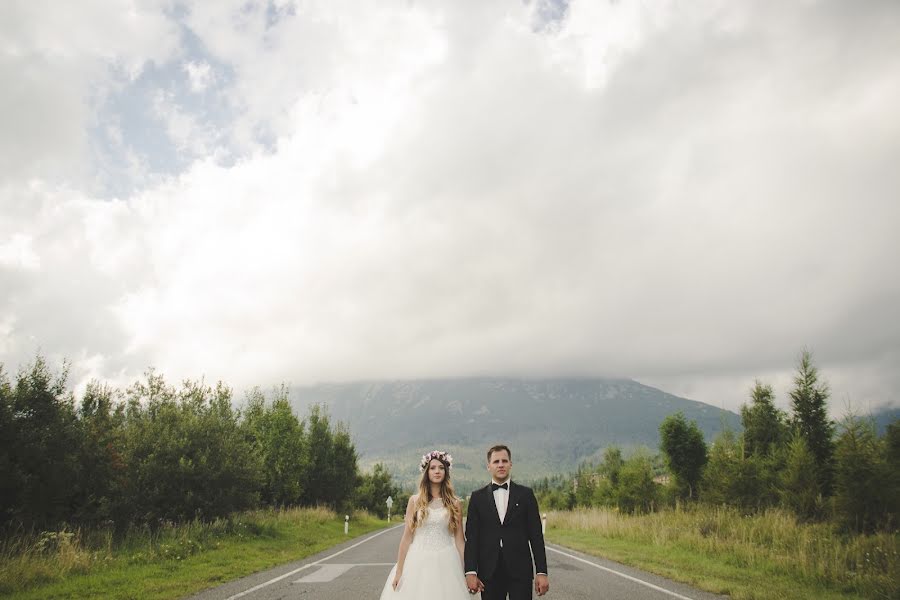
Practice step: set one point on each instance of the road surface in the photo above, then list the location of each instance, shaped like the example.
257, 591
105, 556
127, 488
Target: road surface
358, 568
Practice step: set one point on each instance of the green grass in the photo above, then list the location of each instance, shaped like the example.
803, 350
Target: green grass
748, 557
175, 562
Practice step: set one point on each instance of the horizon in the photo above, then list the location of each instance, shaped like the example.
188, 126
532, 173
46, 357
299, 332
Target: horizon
240, 395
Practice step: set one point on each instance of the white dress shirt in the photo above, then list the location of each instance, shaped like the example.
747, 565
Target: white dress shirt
501, 499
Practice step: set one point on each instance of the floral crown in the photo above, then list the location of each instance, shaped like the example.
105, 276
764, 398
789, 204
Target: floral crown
442, 456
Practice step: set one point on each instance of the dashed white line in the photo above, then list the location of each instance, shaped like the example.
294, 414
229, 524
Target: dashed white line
312, 564
332, 571
325, 573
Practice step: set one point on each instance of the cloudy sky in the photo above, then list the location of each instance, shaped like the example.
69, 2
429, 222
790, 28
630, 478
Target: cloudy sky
684, 193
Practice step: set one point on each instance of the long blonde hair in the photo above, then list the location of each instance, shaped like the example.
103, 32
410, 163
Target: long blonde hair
448, 497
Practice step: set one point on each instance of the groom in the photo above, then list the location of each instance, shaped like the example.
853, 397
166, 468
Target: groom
502, 520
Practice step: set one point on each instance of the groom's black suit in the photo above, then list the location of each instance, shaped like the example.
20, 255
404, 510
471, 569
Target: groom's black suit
513, 561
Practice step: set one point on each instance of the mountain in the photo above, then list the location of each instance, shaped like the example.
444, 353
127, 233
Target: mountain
551, 424
885, 417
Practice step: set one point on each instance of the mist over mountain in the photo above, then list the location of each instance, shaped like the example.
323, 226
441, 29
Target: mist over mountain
551, 424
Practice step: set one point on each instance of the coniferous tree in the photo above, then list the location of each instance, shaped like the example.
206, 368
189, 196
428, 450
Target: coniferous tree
765, 427
810, 419
798, 483
736, 479
862, 487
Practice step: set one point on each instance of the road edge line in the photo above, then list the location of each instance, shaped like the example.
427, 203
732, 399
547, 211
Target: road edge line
312, 564
620, 574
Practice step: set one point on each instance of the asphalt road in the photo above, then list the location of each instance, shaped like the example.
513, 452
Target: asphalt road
357, 570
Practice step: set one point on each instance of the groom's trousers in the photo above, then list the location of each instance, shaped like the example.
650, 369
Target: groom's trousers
501, 586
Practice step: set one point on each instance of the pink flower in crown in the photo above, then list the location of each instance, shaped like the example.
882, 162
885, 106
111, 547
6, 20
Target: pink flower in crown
442, 456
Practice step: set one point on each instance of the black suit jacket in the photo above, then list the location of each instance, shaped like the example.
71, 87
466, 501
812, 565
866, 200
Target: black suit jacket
521, 527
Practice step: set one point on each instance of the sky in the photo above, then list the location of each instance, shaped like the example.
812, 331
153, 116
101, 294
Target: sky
687, 194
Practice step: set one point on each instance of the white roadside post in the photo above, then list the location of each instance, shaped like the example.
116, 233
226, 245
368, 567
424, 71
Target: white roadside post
544, 524
346, 524
390, 503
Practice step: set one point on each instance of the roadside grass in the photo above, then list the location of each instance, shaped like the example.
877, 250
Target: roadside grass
748, 557
173, 562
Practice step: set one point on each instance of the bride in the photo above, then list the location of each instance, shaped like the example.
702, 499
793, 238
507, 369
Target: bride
430, 559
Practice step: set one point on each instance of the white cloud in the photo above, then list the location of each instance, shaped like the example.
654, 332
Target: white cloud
17, 253
200, 75
684, 194
188, 135
55, 59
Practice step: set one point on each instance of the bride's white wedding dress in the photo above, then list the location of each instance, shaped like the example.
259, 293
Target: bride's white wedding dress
432, 570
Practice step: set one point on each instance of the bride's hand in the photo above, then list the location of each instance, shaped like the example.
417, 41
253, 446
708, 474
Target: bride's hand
397, 577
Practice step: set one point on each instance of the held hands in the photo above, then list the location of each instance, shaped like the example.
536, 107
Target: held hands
541, 584
474, 584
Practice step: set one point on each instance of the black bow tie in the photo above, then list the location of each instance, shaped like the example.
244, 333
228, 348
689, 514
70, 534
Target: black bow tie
498, 486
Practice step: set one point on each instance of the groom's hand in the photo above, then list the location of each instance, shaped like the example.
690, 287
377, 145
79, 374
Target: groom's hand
474, 584
541, 584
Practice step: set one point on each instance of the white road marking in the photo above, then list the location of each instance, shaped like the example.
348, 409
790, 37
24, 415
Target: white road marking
331, 571
325, 573
620, 574
312, 564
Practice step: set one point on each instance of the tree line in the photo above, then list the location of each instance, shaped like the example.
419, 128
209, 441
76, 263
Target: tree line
157, 453
802, 461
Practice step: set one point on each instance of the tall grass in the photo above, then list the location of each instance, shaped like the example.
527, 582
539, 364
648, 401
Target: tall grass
29, 560
773, 541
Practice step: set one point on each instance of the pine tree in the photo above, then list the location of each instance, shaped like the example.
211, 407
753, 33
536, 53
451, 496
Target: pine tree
810, 419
